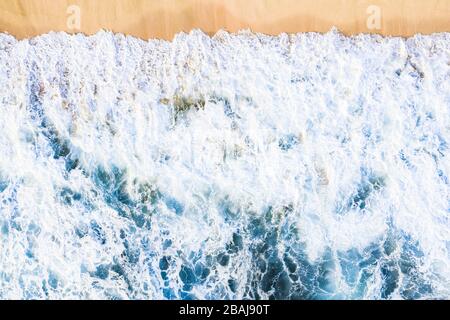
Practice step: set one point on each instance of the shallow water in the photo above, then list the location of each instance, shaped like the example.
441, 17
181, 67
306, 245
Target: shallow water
302, 166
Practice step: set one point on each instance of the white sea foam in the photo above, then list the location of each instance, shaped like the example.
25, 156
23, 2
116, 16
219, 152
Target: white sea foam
242, 165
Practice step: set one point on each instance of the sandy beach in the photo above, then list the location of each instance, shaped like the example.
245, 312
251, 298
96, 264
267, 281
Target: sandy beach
163, 19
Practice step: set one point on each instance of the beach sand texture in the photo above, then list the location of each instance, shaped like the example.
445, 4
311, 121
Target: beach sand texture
165, 18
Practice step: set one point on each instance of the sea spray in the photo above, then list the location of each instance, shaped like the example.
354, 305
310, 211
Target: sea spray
303, 166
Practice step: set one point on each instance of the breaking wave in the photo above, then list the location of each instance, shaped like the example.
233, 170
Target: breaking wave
302, 166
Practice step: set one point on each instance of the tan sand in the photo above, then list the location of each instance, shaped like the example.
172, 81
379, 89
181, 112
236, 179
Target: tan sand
164, 18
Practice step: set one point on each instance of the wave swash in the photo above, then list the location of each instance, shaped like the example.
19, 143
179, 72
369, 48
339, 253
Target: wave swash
302, 166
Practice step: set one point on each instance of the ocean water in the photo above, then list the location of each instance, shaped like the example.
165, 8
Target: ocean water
303, 166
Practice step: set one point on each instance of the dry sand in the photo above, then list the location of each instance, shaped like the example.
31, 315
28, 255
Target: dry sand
164, 18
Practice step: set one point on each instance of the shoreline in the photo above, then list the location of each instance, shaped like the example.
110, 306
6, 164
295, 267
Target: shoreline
218, 34
152, 19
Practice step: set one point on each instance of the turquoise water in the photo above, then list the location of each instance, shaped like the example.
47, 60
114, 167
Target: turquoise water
235, 167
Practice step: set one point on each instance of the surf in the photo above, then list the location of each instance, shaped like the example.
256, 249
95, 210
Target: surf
238, 166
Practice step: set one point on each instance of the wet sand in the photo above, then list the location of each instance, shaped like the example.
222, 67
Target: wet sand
164, 18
